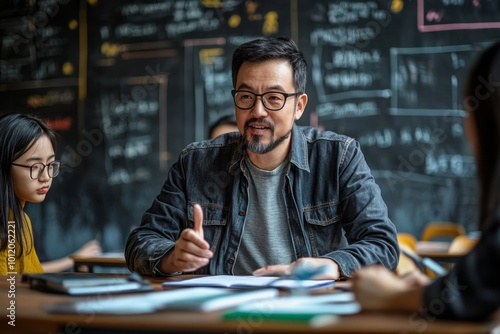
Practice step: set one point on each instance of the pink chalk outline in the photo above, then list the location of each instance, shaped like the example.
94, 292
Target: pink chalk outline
451, 26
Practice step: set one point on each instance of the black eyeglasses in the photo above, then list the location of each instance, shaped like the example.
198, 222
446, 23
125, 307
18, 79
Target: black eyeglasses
37, 169
273, 101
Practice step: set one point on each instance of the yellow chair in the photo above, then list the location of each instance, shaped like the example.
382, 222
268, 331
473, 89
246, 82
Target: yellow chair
434, 230
408, 239
461, 245
405, 264
407, 242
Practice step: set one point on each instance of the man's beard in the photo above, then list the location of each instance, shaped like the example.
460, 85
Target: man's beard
254, 144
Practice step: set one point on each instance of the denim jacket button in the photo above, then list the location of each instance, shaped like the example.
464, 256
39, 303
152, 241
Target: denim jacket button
241, 213
230, 261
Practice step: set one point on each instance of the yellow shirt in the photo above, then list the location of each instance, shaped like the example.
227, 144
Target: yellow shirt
28, 263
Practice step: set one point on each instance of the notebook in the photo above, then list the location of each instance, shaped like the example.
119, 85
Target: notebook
86, 283
240, 282
188, 299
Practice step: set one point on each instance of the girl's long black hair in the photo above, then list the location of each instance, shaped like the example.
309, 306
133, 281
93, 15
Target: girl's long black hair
482, 102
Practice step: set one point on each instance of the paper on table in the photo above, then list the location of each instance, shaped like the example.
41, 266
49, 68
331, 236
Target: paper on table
298, 307
227, 300
230, 281
189, 299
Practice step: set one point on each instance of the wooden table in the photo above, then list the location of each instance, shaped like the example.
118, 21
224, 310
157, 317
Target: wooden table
108, 260
437, 250
31, 317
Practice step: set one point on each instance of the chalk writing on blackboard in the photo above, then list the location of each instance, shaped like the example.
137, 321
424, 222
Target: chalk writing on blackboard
135, 129
420, 76
457, 15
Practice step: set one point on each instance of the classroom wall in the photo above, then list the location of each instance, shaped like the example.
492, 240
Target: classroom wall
127, 84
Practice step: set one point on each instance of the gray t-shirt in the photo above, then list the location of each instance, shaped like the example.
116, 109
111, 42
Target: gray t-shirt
266, 236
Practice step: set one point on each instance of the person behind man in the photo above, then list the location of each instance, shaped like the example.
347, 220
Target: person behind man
27, 168
271, 196
471, 290
223, 125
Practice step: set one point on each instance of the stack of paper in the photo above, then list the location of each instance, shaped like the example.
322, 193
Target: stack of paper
85, 283
240, 282
297, 308
189, 299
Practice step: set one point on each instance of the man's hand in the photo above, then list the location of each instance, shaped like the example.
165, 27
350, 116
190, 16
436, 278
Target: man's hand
286, 269
191, 251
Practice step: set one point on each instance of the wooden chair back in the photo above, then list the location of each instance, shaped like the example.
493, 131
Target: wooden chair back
462, 244
408, 239
434, 230
408, 242
405, 264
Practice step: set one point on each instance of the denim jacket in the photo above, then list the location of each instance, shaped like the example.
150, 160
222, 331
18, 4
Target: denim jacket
335, 209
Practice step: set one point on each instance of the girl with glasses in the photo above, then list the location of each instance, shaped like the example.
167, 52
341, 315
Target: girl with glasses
27, 166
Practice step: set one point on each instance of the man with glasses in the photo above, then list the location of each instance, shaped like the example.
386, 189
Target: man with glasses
270, 197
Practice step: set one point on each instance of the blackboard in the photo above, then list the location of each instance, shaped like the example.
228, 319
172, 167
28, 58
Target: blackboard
127, 84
